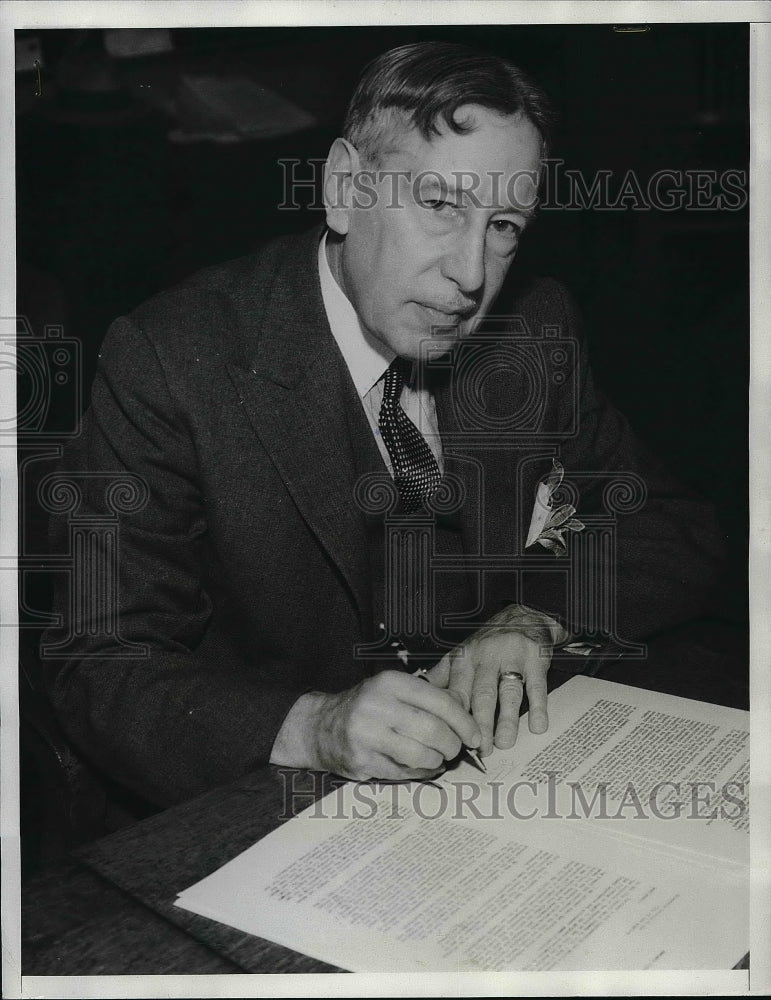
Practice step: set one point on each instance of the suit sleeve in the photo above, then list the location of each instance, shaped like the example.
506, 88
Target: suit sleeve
152, 706
669, 550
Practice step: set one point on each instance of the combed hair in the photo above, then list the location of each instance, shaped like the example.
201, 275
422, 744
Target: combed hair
425, 83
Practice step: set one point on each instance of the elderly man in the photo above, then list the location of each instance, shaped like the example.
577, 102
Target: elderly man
258, 402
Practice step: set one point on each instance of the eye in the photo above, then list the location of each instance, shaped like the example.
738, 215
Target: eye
507, 228
437, 204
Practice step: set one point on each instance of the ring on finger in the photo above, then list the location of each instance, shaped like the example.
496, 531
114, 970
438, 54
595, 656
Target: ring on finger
513, 675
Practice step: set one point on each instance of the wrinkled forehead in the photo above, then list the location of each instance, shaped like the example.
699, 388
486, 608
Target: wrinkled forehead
494, 162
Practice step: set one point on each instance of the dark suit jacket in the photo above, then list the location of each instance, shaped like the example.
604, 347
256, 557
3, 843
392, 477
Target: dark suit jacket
246, 576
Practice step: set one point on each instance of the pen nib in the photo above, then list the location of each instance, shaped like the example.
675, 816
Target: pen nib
474, 755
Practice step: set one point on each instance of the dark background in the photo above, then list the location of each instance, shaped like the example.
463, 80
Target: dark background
110, 210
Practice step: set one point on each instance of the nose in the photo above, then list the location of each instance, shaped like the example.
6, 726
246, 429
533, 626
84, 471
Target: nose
464, 263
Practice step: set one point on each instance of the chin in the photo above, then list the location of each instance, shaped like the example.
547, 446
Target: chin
419, 341
445, 341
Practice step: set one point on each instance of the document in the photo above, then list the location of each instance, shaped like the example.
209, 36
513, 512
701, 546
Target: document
679, 768
584, 848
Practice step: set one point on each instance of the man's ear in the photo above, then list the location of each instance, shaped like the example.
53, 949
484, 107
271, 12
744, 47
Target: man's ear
341, 166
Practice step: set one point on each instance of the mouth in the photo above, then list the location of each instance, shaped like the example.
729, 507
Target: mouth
446, 318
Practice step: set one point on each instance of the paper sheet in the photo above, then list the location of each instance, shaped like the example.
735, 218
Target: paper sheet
431, 877
635, 763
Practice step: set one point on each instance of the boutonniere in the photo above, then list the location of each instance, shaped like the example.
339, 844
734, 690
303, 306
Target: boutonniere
548, 524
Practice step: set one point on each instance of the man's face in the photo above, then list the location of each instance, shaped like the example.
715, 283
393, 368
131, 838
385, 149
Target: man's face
428, 244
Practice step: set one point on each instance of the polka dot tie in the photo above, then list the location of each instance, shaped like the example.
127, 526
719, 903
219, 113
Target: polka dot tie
416, 472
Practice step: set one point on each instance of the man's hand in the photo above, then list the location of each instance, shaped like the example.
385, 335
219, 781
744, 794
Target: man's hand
515, 639
392, 726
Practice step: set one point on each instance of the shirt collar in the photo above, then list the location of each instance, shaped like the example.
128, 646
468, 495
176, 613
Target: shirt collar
365, 357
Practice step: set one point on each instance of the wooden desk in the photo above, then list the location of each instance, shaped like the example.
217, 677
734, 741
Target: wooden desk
111, 910
75, 923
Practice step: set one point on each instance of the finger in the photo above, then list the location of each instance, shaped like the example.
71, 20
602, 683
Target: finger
538, 718
384, 768
426, 730
484, 699
439, 674
455, 673
406, 751
456, 696
510, 693
461, 679
438, 703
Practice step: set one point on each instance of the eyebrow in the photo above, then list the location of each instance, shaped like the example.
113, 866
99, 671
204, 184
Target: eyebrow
432, 184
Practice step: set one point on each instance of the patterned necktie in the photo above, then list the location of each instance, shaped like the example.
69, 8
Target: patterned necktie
416, 472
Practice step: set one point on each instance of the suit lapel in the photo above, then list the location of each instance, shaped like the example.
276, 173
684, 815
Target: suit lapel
302, 404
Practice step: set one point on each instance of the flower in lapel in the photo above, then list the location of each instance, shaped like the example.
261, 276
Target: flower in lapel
547, 525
